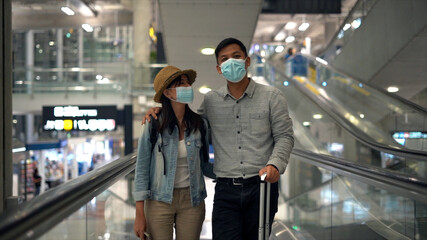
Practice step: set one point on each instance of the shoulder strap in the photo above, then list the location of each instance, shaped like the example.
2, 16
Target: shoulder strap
153, 131
205, 151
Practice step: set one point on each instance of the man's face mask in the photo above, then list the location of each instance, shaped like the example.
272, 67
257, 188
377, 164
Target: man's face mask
183, 94
233, 69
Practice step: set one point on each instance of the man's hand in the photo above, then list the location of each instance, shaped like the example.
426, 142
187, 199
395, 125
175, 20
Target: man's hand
151, 112
272, 173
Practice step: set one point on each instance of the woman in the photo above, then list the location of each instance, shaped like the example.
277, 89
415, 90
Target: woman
169, 182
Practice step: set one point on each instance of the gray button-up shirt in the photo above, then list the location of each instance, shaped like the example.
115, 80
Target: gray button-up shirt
250, 132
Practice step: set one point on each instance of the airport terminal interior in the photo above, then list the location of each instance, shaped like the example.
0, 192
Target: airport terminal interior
77, 79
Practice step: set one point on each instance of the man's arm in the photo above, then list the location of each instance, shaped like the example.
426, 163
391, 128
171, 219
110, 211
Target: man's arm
281, 128
201, 110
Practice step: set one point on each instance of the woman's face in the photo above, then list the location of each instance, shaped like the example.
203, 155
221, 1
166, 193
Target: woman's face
182, 82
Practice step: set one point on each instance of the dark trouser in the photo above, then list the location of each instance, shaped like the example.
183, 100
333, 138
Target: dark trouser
236, 209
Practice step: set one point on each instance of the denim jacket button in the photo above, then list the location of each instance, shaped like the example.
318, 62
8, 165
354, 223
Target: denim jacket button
188, 143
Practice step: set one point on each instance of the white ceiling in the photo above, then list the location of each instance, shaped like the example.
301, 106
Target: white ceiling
189, 26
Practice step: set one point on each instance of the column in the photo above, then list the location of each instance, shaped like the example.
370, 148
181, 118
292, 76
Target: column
29, 60
42, 172
141, 49
5, 103
74, 165
65, 164
60, 53
141, 42
80, 46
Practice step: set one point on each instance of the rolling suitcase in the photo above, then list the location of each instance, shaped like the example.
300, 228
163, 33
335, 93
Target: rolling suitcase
264, 209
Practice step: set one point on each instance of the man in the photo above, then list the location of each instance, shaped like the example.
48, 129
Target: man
251, 135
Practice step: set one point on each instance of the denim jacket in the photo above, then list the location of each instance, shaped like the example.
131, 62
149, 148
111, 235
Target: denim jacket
155, 171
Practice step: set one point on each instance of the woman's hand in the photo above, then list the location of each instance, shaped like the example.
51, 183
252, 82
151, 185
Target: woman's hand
151, 112
140, 224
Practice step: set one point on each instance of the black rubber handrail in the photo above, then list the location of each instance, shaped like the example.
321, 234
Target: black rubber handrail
33, 218
412, 187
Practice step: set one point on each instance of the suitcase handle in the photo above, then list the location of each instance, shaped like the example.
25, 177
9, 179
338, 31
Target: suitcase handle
264, 216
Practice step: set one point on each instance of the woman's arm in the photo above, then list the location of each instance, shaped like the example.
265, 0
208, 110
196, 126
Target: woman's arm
207, 167
143, 162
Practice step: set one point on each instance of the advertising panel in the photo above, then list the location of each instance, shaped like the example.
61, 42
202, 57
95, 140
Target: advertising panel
79, 118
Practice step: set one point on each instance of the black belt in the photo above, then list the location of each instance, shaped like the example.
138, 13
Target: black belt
239, 181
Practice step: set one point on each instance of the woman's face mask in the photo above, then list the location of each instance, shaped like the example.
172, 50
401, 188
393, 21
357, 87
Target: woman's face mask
233, 69
183, 94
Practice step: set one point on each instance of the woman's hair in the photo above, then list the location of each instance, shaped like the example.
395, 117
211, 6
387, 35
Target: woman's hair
168, 120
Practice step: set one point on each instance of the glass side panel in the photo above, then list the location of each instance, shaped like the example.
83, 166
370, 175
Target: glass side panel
110, 215
316, 131
384, 119
332, 206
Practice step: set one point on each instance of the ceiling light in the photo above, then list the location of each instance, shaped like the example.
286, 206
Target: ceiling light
356, 23
290, 39
347, 26
306, 124
208, 51
280, 36
67, 11
279, 49
84, 9
303, 27
321, 60
393, 89
290, 25
103, 81
99, 77
87, 27
204, 90
317, 116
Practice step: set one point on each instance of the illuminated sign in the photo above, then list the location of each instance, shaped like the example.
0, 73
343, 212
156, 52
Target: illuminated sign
79, 118
411, 135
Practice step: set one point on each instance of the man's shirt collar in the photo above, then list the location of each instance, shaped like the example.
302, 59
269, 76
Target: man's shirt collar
249, 90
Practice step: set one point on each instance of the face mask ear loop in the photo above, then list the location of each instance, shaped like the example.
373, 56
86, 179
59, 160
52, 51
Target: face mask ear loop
169, 97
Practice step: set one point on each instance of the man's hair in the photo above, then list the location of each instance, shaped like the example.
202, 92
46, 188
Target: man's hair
228, 41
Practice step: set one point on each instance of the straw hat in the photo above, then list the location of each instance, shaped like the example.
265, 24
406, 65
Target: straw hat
167, 75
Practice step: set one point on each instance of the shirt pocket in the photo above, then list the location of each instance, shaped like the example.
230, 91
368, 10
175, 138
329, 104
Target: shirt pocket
259, 123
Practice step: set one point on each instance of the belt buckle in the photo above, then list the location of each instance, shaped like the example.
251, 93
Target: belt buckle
237, 183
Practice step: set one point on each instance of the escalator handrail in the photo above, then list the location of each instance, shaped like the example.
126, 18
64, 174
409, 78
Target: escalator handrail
405, 185
371, 85
359, 135
33, 218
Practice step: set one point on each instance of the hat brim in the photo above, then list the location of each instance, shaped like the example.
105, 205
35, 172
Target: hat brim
191, 78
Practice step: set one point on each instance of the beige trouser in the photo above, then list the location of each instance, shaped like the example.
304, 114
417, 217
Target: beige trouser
162, 216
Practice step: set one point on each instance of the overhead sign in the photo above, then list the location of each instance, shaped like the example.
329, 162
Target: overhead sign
79, 118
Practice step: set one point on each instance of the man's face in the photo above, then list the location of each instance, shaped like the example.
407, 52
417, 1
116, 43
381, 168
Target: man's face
231, 51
